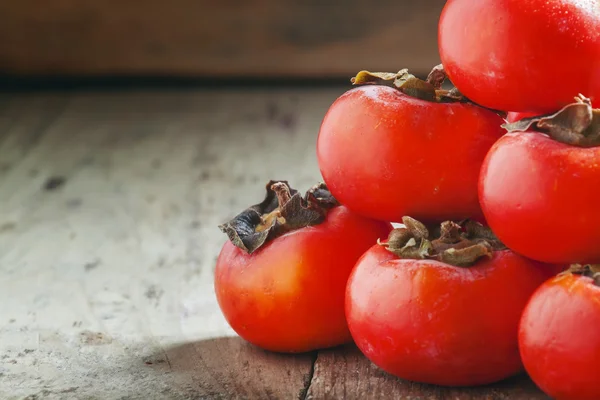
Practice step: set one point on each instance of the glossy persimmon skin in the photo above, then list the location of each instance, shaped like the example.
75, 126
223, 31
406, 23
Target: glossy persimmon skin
431, 322
559, 338
537, 196
289, 295
517, 116
507, 54
514, 116
385, 155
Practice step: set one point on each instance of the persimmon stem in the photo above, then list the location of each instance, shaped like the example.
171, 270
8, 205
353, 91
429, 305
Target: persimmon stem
283, 210
282, 192
437, 76
589, 270
577, 124
459, 244
428, 90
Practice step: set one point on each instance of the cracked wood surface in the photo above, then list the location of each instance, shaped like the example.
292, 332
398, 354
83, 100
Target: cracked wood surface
344, 373
108, 238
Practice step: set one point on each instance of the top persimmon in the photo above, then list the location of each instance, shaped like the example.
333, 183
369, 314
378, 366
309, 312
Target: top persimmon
385, 153
516, 55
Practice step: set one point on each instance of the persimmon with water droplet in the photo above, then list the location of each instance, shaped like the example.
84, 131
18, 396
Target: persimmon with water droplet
522, 56
539, 184
398, 145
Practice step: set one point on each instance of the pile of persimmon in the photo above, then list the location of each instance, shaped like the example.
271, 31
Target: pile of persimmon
495, 267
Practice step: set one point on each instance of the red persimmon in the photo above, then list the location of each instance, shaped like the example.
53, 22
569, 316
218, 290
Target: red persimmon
537, 187
429, 321
385, 154
280, 281
503, 54
559, 336
517, 116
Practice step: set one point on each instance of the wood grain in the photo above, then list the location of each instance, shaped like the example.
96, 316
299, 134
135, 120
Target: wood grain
108, 239
229, 368
344, 373
257, 38
108, 230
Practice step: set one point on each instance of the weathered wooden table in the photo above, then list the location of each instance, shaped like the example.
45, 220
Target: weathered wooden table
109, 207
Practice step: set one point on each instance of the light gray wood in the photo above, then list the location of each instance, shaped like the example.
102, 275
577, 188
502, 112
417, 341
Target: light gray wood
112, 263
110, 203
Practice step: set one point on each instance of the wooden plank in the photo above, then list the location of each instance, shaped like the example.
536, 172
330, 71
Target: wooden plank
108, 239
108, 230
345, 373
229, 368
258, 38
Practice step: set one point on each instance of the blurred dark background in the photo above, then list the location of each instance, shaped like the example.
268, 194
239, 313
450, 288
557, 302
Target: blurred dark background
213, 41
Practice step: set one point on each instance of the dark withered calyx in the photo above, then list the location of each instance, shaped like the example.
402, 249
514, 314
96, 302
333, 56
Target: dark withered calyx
577, 124
589, 270
283, 210
459, 244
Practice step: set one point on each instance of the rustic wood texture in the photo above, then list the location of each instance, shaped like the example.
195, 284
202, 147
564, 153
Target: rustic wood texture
108, 230
217, 38
229, 368
344, 373
108, 239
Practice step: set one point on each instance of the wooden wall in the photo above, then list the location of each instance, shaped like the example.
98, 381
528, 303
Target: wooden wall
224, 38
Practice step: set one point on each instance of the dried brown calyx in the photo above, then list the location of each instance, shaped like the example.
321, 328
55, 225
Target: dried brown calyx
429, 89
577, 124
283, 210
460, 244
589, 270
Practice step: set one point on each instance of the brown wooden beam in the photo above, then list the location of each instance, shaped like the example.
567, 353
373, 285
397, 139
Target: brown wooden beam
224, 38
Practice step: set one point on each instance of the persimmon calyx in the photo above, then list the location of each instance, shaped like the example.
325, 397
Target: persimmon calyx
429, 89
283, 210
589, 270
576, 124
459, 244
